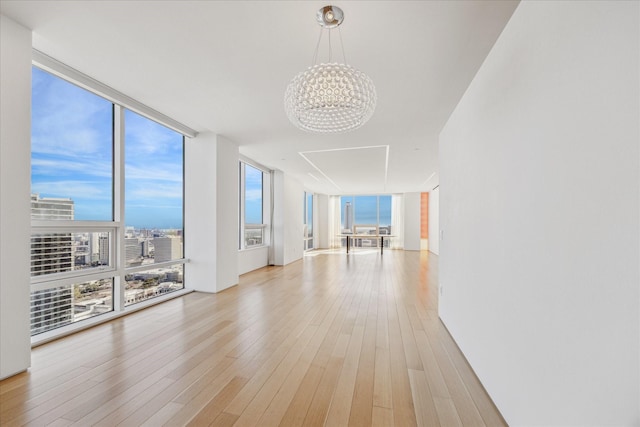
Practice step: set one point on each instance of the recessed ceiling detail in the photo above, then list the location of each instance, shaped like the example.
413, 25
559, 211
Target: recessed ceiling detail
352, 169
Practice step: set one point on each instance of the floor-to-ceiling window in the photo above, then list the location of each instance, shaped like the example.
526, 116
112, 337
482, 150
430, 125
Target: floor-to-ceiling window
366, 215
252, 206
308, 221
96, 247
153, 208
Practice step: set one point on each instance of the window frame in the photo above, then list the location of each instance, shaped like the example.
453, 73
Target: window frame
243, 226
353, 199
308, 238
116, 270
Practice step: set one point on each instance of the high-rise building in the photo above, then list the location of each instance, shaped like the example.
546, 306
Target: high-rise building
167, 248
51, 253
348, 216
145, 248
48, 208
51, 308
103, 249
132, 250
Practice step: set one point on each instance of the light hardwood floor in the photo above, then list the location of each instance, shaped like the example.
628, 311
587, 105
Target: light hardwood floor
330, 340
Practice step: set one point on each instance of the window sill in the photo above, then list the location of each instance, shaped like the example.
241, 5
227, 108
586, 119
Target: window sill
253, 248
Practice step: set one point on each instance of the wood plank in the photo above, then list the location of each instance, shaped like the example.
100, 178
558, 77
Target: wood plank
161, 417
112, 414
447, 412
423, 403
224, 420
362, 404
403, 411
319, 406
297, 409
382, 379
215, 407
382, 417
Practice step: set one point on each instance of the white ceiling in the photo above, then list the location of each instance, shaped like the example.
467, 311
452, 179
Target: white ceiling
223, 66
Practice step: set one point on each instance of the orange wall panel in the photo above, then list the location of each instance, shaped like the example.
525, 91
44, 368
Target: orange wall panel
424, 215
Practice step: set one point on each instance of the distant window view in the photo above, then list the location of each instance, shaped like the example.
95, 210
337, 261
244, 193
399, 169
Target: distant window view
153, 192
364, 215
72, 182
252, 187
63, 305
147, 284
308, 221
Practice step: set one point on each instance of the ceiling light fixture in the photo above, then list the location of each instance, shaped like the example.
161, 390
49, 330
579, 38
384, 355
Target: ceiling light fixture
330, 97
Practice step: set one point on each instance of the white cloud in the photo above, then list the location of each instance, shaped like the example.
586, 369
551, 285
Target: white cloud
154, 172
138, 191
252, 195
73, 189
57, 167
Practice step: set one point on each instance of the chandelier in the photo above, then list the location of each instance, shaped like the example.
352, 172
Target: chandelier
330, 97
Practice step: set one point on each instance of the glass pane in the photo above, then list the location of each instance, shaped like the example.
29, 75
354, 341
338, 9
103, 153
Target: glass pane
253, 236
63, 305
151, 283
366, 210
71, 151
309, 219
346, 214
60, 252
252, 195
153, 191
365, 229
385, 214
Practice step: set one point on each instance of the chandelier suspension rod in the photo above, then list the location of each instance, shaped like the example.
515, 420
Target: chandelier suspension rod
344, 56
315, 54
330, 50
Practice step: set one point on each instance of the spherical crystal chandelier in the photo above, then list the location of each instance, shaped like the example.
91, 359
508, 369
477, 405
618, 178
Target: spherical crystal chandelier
330, 97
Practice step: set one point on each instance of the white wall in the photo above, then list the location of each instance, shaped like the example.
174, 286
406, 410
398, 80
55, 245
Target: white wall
434, 220
287, 219
15, 187
539, 172
412, 221
321, 220
252, 259
211, 213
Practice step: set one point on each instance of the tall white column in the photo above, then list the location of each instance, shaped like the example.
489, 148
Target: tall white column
287, 219
15, 187
412, 221
211, 213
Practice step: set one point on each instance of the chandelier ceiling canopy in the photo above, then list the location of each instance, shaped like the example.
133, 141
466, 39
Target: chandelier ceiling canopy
330, 97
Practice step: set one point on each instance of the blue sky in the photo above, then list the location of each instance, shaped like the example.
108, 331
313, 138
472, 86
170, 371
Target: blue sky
72, 157
365, 209
153, 174
252, 195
